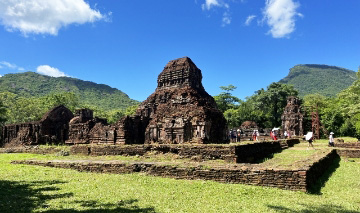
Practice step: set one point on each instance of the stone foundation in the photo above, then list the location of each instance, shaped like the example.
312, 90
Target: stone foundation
353, 145
349, 153
297, 179
246, 153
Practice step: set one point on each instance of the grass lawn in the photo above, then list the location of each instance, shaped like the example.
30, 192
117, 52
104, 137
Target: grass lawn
25, 188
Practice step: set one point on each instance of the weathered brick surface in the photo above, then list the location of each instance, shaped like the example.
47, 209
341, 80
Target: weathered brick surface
319, 166
354, 145
349, 153
292, 119
52, 128
246, 153
31, 149
296, 179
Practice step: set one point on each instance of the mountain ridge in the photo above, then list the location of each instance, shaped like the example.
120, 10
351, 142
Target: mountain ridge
31, 84
323, 79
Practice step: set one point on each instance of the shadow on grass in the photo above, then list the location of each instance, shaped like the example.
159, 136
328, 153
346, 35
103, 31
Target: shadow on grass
265, 158
121, 206
316, 188
312, 209
22, 196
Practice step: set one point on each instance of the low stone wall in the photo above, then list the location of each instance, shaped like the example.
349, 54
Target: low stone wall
353, 145
319, 166
285, 179
349, 153
292, 179
243, 153
31, 149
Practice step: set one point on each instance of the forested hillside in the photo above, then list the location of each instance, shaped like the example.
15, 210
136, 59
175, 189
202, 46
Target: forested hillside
30, 84
321, 79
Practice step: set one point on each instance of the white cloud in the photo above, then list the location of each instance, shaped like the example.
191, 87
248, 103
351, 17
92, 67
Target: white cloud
210, 3
280, 16
45, 16
50, 71
6, 64
226, 19
249, 19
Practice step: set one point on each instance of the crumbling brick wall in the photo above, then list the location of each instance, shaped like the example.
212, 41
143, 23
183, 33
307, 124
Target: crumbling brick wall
52, 128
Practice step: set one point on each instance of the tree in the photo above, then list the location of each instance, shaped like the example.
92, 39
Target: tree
131, 110
225, 100
115, 115
271, 103
3, 111
68, 99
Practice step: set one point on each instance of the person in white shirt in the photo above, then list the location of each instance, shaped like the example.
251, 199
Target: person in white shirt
331, 139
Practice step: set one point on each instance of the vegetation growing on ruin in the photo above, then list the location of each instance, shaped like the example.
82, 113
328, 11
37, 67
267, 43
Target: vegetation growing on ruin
322, 79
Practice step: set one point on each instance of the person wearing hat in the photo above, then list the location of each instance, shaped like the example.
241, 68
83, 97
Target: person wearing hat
331, 139
238, 135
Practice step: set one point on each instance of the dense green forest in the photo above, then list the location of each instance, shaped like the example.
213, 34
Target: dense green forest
321, 79
28, 96
33, 85
264, 107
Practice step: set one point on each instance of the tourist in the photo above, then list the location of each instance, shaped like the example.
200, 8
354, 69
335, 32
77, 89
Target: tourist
233, 136
331, 139
275, 135
238, 131
285, 134
254, 135
309, 138
257, 135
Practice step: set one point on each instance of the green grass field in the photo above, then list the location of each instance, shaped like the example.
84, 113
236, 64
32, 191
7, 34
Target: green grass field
25, 188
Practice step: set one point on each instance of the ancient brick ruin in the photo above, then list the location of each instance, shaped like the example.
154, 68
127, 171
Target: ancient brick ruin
84, 128
52, 128
292, 119
179, 111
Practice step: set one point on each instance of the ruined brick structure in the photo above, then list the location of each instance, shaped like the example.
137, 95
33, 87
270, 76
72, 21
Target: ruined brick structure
52, 128
246, 125
180, 110
84, 128
292, 119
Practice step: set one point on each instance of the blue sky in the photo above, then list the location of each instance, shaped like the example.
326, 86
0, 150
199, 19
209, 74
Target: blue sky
126, 43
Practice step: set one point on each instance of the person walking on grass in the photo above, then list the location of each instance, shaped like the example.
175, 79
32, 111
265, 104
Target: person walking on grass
331, 139
309, 138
